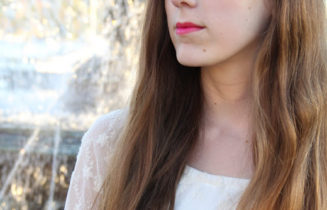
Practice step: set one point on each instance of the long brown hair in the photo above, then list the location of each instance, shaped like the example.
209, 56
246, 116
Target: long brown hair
290, 129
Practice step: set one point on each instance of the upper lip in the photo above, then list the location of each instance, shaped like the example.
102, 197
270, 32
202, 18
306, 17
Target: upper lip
187, 24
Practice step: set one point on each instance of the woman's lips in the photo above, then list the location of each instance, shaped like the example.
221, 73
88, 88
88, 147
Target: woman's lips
187, 27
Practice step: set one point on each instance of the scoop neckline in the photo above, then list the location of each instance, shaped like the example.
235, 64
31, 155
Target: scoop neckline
214, 176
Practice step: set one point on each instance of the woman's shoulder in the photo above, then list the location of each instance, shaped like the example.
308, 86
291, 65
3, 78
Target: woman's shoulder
105, 129
93, 159
108, 123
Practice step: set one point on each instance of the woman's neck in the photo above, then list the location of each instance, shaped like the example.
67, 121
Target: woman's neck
227, 95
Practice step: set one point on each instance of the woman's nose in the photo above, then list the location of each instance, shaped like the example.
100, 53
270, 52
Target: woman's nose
184, 3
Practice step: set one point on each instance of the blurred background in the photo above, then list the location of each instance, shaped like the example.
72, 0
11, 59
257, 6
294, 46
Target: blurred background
63, 63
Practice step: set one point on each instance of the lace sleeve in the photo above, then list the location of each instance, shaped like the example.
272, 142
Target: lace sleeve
92, 161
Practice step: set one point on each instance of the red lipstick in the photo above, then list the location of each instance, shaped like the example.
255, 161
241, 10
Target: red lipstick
187, 27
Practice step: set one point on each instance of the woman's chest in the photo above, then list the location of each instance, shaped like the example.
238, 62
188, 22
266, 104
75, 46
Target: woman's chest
225, 156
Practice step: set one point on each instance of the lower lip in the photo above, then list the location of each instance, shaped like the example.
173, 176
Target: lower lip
181, 31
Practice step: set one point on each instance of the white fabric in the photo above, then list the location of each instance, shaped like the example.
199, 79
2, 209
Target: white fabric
197, 190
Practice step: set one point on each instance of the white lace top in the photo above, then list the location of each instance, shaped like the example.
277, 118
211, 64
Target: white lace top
197, 190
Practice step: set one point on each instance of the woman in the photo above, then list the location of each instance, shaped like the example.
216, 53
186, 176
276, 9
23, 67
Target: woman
228, 113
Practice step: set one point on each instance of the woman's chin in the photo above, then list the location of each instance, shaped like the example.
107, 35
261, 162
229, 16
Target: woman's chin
189, 61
